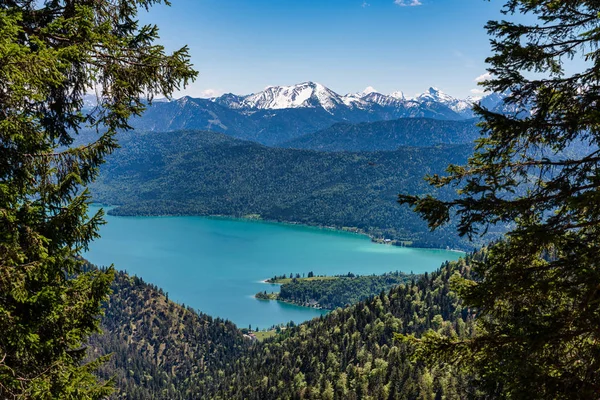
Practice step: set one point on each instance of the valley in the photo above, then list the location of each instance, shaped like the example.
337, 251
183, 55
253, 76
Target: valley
345, 176
168, 351
211, 199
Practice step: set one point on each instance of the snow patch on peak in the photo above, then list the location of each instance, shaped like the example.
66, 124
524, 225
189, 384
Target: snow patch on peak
355, 101
368, 90
435, 94
473, 99
302, 95
398, 95
383, 100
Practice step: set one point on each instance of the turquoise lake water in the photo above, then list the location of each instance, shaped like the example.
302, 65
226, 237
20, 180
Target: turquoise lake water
216, 265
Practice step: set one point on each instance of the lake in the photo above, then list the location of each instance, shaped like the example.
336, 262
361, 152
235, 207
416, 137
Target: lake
216, 265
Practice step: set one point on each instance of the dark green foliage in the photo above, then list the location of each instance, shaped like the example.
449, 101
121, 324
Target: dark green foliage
159, 349
388, 135
51, 52
352, 354
162, 350
538, 297
204, 173
339, 292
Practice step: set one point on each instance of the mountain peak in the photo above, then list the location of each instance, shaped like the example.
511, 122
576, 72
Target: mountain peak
436, 95
310, 94
302, 95
398, 95
368, 90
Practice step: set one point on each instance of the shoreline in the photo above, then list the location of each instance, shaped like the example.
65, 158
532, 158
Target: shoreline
266, 281
348, 230
294, 304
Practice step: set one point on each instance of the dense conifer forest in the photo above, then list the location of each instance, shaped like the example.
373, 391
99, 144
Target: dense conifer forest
207, 173
164, 350
354, 353
388, 135
161, 349
518, 320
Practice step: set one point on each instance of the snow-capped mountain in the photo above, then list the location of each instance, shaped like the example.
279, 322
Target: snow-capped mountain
303, 95
307, 94
436, 95
281, 113
316, 95
492, 101
461, 107
383, 100
368, 90
355, 100
399, 95
230, 100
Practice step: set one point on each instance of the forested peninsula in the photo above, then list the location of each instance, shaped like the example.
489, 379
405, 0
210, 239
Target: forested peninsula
331, 292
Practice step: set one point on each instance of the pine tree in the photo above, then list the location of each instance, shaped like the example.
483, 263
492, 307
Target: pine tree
537, 171
51, 53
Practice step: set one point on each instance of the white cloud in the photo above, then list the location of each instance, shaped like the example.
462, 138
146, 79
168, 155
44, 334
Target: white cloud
210, 93
365, 4
408, 3
484, 77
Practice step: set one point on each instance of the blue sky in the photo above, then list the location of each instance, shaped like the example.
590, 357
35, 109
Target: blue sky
242, 46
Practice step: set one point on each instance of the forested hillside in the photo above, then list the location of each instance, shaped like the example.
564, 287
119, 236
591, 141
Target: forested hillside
163, 350
352, 353
388, 135
205, 173
160, 349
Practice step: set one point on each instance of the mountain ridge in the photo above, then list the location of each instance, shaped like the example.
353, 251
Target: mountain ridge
387, 135
282, 113
297, 96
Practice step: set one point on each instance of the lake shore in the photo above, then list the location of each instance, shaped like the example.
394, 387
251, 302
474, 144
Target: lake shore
223, 260
255, 218
275, 297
